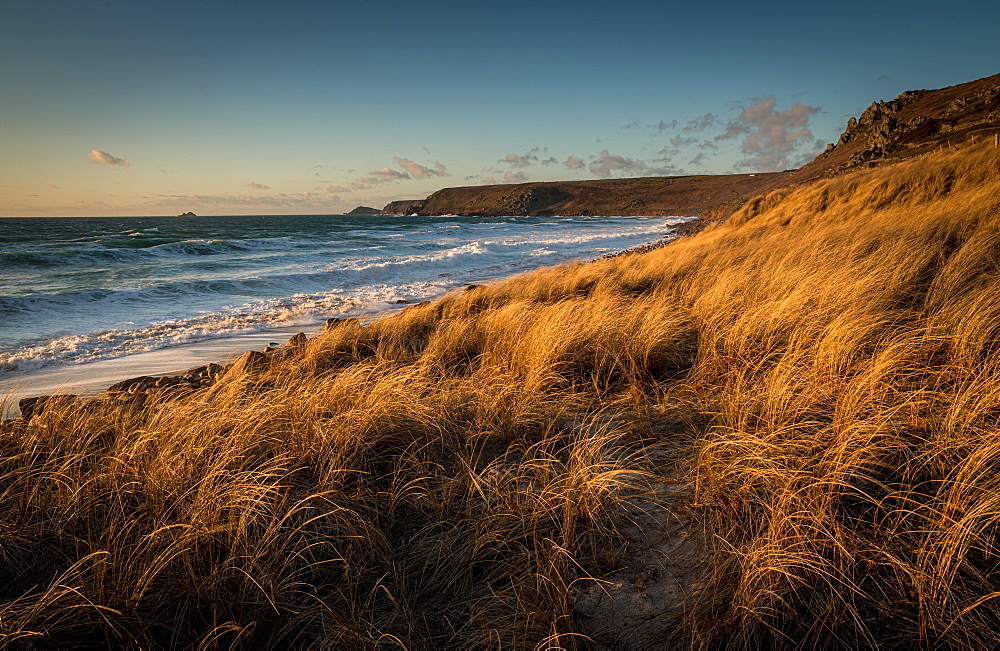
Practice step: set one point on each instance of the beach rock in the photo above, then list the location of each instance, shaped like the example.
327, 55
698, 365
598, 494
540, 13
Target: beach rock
132, 385
31, 407
300, 339
249, 363
334, 323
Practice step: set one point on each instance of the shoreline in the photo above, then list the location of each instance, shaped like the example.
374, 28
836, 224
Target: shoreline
94, 378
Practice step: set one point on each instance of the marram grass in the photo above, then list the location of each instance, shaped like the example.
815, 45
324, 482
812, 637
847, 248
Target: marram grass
452, 476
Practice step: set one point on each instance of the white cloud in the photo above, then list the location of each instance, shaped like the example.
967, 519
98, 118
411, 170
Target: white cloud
418, 171
258, 186
104, 158
526, 159
700, 124
664, 126
574, 163
771, 137
607, 163
515, 177
389, 175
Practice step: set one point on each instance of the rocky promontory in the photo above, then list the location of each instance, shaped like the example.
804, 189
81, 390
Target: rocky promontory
672, 195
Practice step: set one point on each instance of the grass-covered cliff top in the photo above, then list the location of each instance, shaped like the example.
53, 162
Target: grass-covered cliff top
679, 195
780, 431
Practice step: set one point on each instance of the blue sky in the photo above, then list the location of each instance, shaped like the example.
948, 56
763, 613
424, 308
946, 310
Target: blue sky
152, 108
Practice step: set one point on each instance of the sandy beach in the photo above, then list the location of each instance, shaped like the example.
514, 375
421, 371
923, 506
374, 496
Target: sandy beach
90, 379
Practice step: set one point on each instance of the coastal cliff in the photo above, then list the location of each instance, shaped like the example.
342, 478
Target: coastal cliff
676, 195
915, 122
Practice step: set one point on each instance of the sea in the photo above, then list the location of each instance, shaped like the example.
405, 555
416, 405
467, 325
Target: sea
79, 291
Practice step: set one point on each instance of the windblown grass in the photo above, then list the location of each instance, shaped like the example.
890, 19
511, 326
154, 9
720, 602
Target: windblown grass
450, 476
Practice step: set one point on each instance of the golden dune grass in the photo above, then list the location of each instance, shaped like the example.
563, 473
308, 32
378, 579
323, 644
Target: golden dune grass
451, 476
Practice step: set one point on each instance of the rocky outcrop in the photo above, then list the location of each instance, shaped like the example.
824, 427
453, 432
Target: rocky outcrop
913, 122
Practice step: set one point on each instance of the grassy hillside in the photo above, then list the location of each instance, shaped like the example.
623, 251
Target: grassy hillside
816, 380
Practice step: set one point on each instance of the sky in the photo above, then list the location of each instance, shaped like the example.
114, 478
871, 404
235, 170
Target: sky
161, 107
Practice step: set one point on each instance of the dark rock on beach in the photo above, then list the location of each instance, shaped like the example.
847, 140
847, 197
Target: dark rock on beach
31, 407
132, 385
334, 323
249, 363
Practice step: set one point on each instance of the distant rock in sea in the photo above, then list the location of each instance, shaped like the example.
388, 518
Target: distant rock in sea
365, 210
187, 214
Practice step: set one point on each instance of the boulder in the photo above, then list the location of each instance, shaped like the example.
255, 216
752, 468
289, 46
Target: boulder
249, 363
132, 384
30, 407
300, 339
334, 323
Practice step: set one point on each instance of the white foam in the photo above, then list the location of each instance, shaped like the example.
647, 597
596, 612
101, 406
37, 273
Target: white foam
276, 285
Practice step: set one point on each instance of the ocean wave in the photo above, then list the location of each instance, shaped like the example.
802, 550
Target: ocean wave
187, 289
138, 251
295, 310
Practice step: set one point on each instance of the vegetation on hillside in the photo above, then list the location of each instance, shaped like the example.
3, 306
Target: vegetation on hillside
824, 368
